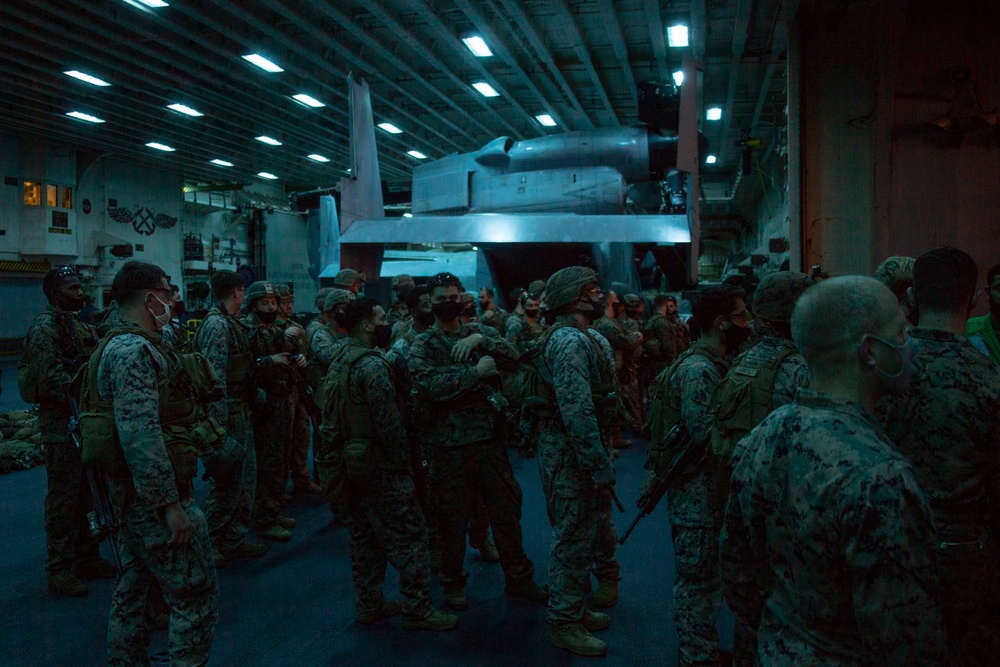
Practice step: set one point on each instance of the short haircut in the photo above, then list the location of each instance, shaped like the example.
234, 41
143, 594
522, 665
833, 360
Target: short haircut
54, 277
412, 298
516, 295
716, 301
896, 273
832, 316
994, 272
488, 290
224, 283
944, 278
174, 289
528, 296
357, 311
661, 300
444, 279
133, 278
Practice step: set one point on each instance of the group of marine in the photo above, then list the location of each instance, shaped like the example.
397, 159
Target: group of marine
841, 497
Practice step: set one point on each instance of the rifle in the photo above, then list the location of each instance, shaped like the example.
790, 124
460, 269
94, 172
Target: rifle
103, 521
678, 440
306, 393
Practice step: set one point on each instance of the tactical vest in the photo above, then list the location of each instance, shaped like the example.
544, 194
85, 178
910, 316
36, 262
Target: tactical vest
239, 361
604, 393
348, 431
73, 351
662, 416
742, 400
187, 429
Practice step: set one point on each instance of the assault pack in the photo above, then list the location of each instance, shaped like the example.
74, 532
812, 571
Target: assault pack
742, 400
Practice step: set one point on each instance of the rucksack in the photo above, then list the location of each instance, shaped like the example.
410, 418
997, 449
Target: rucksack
741, 401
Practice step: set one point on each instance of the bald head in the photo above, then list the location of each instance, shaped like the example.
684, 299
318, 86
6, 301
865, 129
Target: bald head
831, 318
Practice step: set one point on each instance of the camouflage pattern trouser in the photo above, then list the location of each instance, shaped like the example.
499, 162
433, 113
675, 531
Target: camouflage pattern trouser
455, 472
606, 566
271, 428
67, 502
632, 400
186, 576
297, 444
969, 590
695, 520
479, 521
387, 526
576, 523
231, 499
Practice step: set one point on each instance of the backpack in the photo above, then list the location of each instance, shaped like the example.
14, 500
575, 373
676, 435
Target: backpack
741, 401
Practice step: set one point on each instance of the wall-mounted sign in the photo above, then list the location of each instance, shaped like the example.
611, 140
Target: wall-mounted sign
142, 219
86, 206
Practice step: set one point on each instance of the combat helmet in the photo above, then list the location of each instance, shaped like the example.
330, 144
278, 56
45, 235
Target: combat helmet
564, 286
259, 289
347, 278
777, 293
403, 280
320, 298
337, 295
284, 291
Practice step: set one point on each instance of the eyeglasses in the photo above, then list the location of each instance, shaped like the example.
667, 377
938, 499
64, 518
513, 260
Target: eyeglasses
442, 279
738, 318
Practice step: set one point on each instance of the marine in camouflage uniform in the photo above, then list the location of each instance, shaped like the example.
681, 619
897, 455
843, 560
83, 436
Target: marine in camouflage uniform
272, 418
399, 313
524, 330
386, 524
466, 448
828, 538
224, 342
297, 444
490, 314
155, 504
948, 427
625, 342
56, 344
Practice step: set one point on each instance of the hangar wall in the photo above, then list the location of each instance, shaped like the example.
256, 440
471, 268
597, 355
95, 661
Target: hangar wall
877, 180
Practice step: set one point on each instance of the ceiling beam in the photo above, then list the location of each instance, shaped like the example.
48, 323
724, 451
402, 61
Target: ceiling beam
657, 38
613, 28
526, 28
583, 55
418, 48
740, 28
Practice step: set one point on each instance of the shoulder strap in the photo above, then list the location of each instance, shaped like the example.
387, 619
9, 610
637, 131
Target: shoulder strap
763, 383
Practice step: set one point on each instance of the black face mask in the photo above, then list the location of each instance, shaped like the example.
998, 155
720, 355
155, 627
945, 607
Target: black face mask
383, 332
617, 309
267, 318
424, 317
597, 308
532, 313
736, 336
340, 318
469, 312
448, 311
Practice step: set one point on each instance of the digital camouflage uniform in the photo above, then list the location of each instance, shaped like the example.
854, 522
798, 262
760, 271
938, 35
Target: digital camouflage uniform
497, 320
467, 451
174, 335
272, 421
570, 450
387, 524
523, 334
625, 344
67, 501
297, 444
948, 427
695, 511
223, 341
828, 541
133, 375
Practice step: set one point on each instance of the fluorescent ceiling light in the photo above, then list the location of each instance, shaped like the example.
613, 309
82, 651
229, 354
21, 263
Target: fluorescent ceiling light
677, 35
308, 100
546, 120
93, 80
485, 89
160, 147
679, 77
264, 139
262, 62
478, 46
407, 215
79, 115
221, 163
268, 175
390, 128
710, 159
154, 3
318, 157
714, 113
416, 154
185, 109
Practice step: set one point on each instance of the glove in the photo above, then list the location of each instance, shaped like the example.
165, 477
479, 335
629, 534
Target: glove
648, 483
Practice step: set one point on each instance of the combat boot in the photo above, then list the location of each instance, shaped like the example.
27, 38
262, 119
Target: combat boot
274, 533
65, 583
455, 598
594, 620
244, 550
437, 621
286, 522
575, 639
606, 594
94, 567
369, 616
528, 590
488, 552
